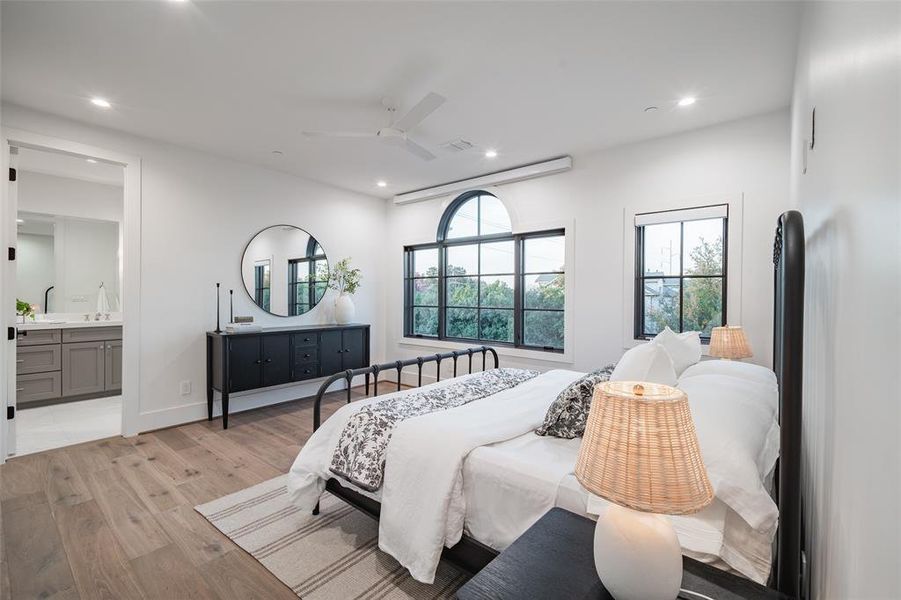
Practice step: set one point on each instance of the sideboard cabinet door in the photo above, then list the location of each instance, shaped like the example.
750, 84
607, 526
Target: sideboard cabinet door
354, 349
244, 363
276, 355
331, 350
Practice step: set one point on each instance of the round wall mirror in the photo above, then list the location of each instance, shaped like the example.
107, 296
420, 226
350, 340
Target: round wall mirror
285, 270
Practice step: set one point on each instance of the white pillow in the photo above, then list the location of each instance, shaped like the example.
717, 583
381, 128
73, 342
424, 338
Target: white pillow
683, 348
732, 368
735, 421
648, 362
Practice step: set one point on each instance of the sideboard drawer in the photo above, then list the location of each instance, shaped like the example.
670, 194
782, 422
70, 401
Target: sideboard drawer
306, 371
306, 340
36, 337
306, 355
92, 334
38, 386
37, 359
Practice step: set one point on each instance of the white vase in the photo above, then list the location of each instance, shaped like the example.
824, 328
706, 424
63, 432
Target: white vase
344, 309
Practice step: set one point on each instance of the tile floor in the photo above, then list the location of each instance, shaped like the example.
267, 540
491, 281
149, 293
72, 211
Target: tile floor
59, 425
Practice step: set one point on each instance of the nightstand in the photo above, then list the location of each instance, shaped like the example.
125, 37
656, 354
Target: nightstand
554, 559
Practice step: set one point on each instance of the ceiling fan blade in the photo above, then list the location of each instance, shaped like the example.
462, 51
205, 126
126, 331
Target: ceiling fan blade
414, 148
340, 134
415, 116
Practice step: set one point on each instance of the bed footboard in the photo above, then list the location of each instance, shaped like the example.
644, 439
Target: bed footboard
398, 366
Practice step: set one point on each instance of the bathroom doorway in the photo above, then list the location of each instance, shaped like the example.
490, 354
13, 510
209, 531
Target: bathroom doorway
67, 361
68, 291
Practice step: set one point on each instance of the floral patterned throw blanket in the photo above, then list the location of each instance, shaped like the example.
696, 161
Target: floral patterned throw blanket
360, 454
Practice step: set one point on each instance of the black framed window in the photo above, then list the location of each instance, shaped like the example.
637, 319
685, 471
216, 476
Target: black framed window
481, 282
307, 279
681, 270
261, 286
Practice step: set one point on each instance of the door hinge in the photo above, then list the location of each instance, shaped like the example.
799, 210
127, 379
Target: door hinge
10, 333
12, 174
10, 412
11, 253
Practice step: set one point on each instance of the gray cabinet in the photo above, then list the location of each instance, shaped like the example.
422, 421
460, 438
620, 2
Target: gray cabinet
37, 359
38, 386
84, 367
113, 366
69, 363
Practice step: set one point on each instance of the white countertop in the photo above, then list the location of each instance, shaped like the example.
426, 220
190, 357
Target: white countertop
30, 325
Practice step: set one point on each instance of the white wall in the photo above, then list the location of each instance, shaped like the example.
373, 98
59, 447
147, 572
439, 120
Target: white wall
848, 68
34, 267
64, 196
198, 213
748, 157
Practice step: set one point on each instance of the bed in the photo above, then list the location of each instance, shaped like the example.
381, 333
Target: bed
509, 476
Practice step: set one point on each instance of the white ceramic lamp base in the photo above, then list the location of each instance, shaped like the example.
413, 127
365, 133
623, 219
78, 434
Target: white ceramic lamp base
637, 555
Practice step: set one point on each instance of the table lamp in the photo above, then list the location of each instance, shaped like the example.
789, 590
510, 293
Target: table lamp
640, 452
729, 342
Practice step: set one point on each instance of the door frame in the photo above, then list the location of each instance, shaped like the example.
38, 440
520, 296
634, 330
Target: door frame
131, 269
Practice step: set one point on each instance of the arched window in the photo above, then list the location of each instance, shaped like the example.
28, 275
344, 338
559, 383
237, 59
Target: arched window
482, 282
307, 279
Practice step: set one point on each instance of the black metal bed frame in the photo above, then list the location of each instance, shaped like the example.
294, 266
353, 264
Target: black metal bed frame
788, 330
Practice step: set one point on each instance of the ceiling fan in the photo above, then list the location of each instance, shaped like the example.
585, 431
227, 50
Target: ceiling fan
397, 132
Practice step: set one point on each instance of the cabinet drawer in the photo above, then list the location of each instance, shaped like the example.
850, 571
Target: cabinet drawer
92, 334
303, 340
37, 359
306, 355
37, 386
36, 337
306, 371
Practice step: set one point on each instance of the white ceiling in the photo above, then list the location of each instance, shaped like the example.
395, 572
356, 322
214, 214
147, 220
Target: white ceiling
73, 167
534, 80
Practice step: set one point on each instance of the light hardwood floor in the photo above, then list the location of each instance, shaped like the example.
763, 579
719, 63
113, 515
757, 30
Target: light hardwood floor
114, 518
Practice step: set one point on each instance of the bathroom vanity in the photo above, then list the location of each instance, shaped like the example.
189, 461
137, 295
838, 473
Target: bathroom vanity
68, 361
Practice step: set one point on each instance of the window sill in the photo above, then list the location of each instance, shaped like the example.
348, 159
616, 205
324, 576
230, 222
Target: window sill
555, 357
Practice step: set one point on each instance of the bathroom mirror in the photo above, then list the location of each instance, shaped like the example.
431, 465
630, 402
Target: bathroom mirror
285, 270
63, 262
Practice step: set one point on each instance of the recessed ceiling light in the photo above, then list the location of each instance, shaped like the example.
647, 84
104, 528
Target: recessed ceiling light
101, 102
490, 153
93, 161
381, 183
687, 101
650, 109
20, 220
277, 153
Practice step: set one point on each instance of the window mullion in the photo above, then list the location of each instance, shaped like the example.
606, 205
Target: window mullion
442, 291
518, 299
681, 276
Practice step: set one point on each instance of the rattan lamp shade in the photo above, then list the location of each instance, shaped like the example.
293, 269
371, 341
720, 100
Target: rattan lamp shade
729, 342
640, 449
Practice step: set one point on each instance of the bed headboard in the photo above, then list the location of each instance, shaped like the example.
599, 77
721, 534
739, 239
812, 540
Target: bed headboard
788, 355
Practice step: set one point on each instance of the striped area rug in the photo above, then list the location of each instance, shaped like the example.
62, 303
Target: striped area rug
333, 555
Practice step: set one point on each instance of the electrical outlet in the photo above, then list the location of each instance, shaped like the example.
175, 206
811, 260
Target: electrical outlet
185, 388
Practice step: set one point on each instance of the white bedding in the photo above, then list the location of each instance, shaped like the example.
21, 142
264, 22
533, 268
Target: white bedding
492, 476
423, 508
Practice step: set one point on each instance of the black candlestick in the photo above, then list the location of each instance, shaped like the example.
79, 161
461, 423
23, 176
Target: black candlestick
231, 306
218, 330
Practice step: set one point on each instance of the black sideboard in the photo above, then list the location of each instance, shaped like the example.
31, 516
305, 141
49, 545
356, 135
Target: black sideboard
238, 362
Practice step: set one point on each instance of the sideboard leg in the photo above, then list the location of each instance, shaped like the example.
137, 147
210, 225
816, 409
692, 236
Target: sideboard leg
224, 410
367, 384
209, 378
316, 510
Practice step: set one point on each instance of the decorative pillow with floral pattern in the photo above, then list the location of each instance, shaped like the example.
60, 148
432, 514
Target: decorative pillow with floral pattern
567, 415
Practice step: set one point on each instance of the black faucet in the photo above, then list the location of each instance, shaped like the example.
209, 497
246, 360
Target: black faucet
46, 299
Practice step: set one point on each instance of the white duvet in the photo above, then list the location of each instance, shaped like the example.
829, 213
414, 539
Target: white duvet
423, 508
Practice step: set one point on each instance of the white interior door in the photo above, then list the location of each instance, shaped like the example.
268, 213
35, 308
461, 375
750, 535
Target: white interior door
7, 297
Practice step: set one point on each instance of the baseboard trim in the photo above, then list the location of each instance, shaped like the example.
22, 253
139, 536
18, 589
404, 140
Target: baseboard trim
197, 411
